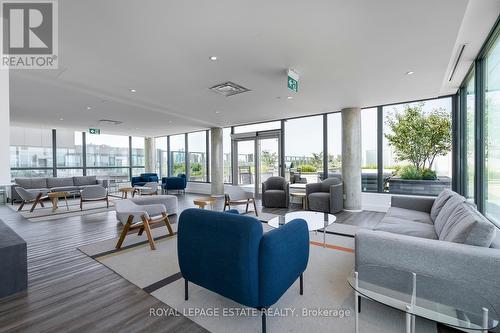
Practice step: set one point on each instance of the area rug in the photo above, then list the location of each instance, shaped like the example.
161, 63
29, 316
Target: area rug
45, 213
326, 306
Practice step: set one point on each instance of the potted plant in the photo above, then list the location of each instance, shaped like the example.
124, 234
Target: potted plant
418, 138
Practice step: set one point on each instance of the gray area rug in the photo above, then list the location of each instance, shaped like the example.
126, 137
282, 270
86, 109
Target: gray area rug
326, 306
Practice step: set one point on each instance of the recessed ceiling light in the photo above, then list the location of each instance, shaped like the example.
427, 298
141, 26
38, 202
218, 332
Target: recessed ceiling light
213, 58
133, 91
170, 121
217, 112
410, 73
61, 118
89, 107
289, 97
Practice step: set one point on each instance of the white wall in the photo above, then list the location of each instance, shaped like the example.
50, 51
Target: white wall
4, 128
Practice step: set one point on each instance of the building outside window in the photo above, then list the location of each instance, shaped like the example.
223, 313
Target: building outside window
137, 151
108, 156
31, 152
418, 158
227, 159
304, 149
369, 157
177, 154
161, 147
69, 153
197, 154
492, 133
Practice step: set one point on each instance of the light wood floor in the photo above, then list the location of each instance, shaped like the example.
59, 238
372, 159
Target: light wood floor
69, 292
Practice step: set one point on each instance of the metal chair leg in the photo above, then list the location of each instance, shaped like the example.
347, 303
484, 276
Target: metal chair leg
263, 312
301, 283
186, 290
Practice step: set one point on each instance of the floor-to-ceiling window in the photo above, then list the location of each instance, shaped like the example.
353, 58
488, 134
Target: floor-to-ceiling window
470, 137
137, 157
177, 154
31, 152
334, 144
69, 153
417, 147
161, 147
227, 159
108, 156
304, 149
369, 157
492, 131
197, 156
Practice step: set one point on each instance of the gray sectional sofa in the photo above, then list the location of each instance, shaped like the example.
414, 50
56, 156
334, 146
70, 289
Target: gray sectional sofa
53, 184
445, 237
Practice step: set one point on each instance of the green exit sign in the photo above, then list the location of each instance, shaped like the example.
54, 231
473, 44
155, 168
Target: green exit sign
293, 80
94, 131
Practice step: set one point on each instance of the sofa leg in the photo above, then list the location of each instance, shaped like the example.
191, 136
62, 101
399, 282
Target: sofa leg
186, 290
301, 280
359, 304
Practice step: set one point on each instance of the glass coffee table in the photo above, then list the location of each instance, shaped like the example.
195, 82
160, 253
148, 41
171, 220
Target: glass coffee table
422, 296
315, 220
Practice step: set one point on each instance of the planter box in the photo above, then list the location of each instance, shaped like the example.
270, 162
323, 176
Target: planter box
418, 187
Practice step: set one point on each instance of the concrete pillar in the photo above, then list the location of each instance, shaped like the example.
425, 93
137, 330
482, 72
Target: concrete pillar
149, 164
351, 158
4, 128
216, 162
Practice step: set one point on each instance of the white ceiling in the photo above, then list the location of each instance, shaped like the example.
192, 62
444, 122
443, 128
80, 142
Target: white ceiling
348, 53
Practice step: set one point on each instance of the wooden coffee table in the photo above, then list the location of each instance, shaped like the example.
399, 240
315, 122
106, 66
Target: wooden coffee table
54, 198
202, 202
126, 190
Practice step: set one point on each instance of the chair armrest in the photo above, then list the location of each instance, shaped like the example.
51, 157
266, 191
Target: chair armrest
287, 193
313, 187
336, 198
475, 267
283, 256
414, 203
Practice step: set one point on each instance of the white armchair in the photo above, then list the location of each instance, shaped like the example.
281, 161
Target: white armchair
30, 196
94, 193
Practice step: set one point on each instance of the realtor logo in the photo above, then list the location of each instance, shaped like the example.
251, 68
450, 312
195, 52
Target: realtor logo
29, 34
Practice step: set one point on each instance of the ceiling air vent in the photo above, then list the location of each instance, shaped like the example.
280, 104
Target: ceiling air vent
110, 122
229, 89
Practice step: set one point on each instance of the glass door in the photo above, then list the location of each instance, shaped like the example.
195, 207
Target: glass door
257, 158
268, 158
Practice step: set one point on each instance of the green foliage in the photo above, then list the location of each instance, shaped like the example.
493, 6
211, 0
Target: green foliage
334, 162
269, 160
307, 168
370, 166
317, 160
419, 137
410, 172
429, 174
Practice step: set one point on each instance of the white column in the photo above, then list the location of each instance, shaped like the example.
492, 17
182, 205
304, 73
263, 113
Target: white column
4, 128
351, 158
216, 162
149, 163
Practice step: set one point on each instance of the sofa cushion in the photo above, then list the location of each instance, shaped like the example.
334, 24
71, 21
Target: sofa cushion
405, 227
446, 211
31, 183
24, 182
467, 226
440, 201
84, 180
59, 182
409, 214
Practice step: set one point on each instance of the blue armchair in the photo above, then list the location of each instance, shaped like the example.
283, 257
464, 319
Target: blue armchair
229, 254
144, 178
178, 183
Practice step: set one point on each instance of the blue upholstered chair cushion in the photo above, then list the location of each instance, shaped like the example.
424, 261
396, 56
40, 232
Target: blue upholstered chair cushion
220, 252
